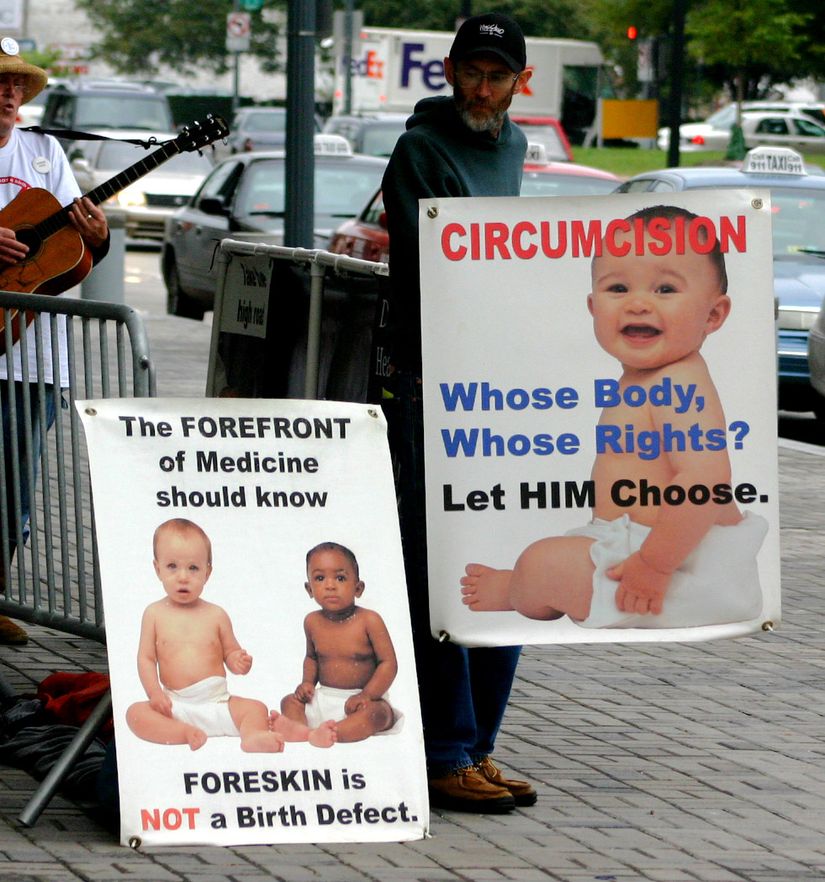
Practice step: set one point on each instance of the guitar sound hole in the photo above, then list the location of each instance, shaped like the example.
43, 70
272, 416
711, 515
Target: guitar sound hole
28, 236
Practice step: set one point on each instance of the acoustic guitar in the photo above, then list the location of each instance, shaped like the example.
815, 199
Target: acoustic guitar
58, 257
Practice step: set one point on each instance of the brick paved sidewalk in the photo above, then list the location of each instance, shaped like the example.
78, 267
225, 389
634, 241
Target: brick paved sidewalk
699, 761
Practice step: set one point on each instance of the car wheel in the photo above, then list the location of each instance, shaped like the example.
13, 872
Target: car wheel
178, 302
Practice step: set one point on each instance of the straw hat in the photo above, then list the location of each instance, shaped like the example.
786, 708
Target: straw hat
12, 63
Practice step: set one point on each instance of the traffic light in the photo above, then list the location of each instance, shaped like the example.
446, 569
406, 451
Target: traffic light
632, 32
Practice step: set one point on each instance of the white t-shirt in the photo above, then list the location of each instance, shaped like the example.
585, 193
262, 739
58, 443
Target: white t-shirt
32, 160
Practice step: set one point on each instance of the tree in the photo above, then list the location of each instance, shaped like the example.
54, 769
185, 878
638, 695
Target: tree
49, 59
563, 18
609, 21
137, 35
753, 39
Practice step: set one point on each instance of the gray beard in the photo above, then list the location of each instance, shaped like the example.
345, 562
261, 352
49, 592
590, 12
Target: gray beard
491, 123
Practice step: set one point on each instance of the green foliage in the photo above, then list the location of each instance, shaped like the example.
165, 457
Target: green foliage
49, 59
137, 35
744, 31
628, 161
563, 18
751, 38
756, 41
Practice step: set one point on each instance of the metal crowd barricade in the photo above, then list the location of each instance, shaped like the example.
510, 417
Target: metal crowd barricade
295, 323
53, 577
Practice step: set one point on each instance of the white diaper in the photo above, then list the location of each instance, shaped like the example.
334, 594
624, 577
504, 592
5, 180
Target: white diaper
718, 582
204, 704
328, 704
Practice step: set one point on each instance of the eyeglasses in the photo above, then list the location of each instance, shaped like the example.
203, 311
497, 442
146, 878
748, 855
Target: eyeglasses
472, 78
16, 84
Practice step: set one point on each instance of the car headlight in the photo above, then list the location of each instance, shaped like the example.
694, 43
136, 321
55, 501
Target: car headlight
131, 197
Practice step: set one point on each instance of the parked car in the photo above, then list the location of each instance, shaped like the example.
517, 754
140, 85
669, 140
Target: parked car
546, 130
366, 237
798, 204
244, 197
106, 104
715, 130
258, 128
775, 130
150, 199
374, 135
816, 359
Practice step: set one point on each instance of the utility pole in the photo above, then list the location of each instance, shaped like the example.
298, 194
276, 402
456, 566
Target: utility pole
236, 69
300, 125
677, 76
348, 41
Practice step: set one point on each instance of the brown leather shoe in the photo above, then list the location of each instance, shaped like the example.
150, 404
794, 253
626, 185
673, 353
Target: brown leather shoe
522, 792
11, 634
467, 790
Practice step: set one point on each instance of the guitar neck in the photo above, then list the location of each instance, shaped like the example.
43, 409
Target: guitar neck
103, 191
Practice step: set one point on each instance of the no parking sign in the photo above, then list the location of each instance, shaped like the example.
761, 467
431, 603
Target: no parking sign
238, 29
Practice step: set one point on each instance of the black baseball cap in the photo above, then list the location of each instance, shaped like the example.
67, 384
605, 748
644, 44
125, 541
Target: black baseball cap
493, 33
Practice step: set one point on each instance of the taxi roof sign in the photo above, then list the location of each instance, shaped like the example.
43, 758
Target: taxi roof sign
536, 153
774, 161
331, 145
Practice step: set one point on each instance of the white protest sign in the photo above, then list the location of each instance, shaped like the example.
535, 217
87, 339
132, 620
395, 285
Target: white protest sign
600, 417
206, 514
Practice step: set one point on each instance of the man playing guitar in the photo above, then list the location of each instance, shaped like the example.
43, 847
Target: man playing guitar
31, 160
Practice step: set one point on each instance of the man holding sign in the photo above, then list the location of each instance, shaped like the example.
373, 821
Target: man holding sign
463, 145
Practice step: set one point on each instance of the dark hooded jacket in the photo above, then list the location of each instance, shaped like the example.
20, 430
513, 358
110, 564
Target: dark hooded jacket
437, 156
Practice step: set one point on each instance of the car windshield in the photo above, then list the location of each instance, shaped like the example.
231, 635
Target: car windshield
264, 122
341, 188
723, 118
544, 184
115, 156
797, 221
380, 140
128, 111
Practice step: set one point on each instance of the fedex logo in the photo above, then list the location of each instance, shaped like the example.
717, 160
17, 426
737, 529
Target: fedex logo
371, 66
431, 72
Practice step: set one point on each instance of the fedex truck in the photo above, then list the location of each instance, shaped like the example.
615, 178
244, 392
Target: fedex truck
391, 69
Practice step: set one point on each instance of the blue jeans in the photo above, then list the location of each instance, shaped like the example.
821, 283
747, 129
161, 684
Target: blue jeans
23, 451
464, 692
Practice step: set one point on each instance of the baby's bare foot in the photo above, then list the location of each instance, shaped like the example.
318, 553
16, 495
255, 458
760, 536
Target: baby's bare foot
286, 729
195, 737
486, 589
262, 742
325, 735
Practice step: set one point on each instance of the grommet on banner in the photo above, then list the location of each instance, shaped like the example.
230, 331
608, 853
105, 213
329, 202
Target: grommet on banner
371, 411
432, 212
443, 636
135, 842
767, 626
